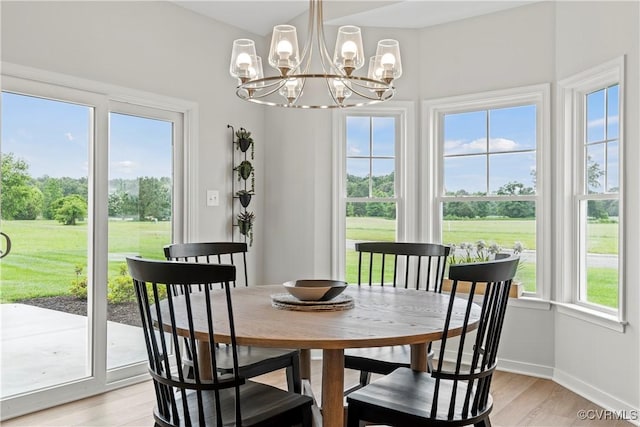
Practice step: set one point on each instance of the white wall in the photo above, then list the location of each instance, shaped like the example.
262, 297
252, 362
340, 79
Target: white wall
492, 52
507, 49
155, 47
299, 167
588, 357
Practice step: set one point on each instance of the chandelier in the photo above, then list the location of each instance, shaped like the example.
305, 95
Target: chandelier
334, 84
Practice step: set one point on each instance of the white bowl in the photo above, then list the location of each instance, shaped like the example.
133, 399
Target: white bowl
315, 290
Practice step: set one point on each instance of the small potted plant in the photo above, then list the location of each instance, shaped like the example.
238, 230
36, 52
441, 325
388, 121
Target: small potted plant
244, 139
245, 224
245, 197
245, 168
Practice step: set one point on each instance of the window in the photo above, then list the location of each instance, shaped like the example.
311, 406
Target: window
488, 152
592, 132
372, 185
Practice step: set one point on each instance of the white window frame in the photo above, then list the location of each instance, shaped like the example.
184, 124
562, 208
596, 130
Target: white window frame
405, 175
572, 93
432, 159
102, 97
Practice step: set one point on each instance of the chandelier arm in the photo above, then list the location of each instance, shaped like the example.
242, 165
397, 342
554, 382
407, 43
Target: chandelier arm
354, 83
259, 92
367, 95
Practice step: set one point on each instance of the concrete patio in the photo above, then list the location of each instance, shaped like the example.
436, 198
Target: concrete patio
41, 347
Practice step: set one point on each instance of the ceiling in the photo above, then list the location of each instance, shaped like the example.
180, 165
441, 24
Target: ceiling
259, 16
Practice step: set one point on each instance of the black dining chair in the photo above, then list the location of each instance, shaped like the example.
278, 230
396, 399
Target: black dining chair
253, 361
452, 394
225, 399
409, 265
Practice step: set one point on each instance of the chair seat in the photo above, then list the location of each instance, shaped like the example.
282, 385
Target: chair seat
261, 405
253, 361
406, 395
380, 360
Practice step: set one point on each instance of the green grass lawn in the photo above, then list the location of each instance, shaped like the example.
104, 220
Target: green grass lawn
602, 239
44, 254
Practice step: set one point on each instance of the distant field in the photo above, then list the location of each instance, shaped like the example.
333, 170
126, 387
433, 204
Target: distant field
602, 240
44, 254
602, 237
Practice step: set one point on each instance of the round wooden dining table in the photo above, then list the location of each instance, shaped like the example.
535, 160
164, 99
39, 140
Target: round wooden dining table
381, 316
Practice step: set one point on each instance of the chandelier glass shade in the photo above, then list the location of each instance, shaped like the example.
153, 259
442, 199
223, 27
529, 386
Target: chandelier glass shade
334, 83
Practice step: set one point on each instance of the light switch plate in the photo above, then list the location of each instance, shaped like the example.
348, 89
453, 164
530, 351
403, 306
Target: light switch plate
213, 198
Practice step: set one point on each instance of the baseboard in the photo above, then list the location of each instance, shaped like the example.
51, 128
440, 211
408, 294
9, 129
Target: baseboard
530, 369
600, 398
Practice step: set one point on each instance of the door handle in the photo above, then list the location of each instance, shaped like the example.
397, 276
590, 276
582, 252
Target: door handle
8, 245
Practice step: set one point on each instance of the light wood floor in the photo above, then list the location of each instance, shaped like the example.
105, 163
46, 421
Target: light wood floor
519, 400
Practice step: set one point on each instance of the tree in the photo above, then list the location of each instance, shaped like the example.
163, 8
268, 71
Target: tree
154, 198
20, 199
122, 204
594, 173
515, 209
71, 209
51, 191
357, 186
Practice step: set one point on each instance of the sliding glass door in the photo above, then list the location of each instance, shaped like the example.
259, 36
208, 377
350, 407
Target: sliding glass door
86, 182
140, 215
45, 211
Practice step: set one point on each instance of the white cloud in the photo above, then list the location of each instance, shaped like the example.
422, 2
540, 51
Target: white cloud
502, 144
613, 120
69, 136
479, 145
353, 151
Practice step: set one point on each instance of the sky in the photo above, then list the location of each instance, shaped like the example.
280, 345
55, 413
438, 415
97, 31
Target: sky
53, 138
484, 150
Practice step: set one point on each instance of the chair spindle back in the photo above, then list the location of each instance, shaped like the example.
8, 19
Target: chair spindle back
164, 311
414, 265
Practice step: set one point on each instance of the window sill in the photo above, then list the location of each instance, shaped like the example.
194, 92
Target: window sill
591, 316
530, 303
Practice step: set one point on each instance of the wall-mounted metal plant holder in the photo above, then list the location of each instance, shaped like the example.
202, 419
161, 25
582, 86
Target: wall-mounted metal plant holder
244, 170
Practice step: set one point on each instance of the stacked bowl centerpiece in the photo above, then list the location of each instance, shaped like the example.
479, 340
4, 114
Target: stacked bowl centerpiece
315, 290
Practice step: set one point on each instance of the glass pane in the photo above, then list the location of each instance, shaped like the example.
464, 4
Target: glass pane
595, 116
595, 172
357, 177
358, 136
140, 185
383, 178
465, 133
502, 226
383, 136
43, 280
613, 111
512, 173
613, 172
465, 175
370, 221
601, 257
512, 129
